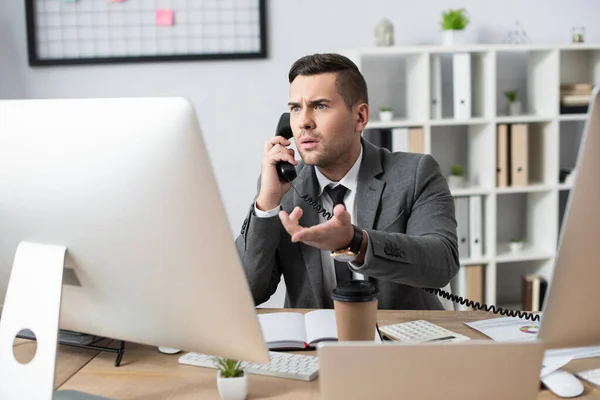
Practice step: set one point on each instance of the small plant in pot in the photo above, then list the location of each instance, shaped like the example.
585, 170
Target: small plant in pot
232, 380
516, 244
386, 114
456, 178
454, 22
513, 106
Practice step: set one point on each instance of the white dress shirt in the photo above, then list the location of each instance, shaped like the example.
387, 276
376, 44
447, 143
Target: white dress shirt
350, 181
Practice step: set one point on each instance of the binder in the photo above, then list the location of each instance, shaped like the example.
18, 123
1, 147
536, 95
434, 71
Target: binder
461, 205
534, 289
519, 154
461, 71
416, 139
459, 286
400, 140
502, 172
474, 285
436, 86
475, 227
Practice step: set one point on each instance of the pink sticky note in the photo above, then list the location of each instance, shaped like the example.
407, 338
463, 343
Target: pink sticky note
164, 17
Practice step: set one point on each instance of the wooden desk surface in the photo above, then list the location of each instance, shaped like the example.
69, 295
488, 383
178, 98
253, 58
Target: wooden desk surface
145, 373
69, 359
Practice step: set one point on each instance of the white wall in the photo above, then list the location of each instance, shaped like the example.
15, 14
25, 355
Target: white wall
238, 102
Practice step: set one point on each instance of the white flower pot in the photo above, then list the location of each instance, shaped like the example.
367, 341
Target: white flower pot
514, 108
454, 37
386, 115
516, 246
233, 388
455, 181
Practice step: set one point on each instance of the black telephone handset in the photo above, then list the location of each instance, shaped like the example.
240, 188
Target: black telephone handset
287, 173
285, 170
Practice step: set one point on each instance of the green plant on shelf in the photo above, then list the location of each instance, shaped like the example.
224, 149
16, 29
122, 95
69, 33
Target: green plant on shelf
456, 170
385, 109
454, 19
511, 95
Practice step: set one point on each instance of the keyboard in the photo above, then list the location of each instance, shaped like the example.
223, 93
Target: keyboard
420, 331
591, 375
282, 365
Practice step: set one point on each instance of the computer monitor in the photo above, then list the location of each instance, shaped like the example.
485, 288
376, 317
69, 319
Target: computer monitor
573, 298
126, 187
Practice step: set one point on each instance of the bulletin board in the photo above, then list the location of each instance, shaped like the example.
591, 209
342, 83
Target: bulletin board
61, 32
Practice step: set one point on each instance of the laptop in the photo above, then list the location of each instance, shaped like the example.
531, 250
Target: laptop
477, 369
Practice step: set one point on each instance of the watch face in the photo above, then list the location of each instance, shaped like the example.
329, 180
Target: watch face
344, 257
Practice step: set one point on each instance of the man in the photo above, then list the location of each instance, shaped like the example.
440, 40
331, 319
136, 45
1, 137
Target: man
393, 221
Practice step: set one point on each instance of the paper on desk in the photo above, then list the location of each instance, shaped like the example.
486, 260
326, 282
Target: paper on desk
510, 329
552, 363
507, 329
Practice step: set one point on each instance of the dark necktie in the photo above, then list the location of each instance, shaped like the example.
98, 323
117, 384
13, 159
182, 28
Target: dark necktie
342, 271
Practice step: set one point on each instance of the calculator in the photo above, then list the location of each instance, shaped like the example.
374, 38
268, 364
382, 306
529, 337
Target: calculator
420, 331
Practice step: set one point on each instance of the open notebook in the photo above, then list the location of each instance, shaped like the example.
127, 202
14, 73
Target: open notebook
291, 330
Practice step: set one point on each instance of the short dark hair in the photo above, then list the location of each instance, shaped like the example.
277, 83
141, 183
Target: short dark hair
349, 82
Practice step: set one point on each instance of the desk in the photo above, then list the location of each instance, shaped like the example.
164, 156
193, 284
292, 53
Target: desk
147, 374
69, 359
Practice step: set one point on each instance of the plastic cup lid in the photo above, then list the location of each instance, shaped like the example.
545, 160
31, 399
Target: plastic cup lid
355, 291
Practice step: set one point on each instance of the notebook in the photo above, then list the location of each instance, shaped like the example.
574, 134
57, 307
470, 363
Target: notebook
294, 330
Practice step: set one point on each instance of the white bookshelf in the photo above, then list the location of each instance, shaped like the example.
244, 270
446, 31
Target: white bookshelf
401, 78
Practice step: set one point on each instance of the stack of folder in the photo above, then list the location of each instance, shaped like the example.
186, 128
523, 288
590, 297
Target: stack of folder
534, 290
575, 98
411, 140
512, 149
469, 226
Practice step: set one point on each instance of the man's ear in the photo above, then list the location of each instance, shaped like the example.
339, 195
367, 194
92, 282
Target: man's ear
362, 114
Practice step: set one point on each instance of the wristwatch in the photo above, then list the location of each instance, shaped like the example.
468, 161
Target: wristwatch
350, 252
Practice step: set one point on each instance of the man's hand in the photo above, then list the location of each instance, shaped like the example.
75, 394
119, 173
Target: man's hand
271, 188
331, 235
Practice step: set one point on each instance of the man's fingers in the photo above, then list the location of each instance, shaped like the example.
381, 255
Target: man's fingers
295, 215
290, 226
342, 215
275, 140
280, 153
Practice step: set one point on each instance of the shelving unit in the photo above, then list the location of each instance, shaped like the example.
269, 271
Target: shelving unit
406, 79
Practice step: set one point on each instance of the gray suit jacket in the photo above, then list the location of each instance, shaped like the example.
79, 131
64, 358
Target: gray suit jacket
402, 202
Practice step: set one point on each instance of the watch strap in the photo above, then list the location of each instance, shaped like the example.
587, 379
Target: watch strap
356, 240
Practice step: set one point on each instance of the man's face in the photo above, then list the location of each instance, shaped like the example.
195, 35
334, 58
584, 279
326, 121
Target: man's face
324, 128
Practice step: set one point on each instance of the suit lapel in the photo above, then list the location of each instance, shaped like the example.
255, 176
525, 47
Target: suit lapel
368, 188
308, 185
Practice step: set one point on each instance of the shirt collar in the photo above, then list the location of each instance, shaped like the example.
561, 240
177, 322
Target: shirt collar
350, 180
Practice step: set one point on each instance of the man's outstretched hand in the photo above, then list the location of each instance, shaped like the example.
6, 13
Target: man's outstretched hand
330, 235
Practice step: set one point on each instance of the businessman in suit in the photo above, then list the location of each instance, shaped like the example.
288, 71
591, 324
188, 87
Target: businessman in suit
393, 215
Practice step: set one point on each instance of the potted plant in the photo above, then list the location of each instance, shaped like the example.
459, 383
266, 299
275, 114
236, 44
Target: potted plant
516, 244
456, 178
454, 23
232, 380
514, 105
386, 114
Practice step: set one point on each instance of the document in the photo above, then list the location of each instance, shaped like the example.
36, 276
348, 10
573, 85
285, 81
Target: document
291, 330
510, 329
507, 329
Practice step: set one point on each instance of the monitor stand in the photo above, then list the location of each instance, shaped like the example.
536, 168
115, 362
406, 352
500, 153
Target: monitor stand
33, 300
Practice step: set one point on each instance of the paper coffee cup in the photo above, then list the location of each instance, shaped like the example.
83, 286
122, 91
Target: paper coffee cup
355, 303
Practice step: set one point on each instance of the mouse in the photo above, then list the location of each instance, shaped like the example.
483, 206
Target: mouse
168, 350
563, 384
